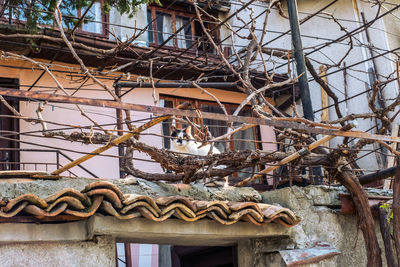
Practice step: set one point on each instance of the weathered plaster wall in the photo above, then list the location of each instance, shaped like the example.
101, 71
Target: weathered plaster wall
319, 208
100, 252
392, 25
320, 30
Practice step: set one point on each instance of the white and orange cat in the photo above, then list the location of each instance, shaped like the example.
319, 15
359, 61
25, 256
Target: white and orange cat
182, 141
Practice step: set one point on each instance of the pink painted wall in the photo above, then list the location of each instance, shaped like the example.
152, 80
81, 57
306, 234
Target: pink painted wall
102, 166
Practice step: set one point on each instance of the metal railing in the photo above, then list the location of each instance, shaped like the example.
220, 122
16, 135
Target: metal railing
7, 164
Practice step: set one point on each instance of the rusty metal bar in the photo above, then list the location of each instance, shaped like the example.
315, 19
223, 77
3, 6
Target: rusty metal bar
58, 159
192, 114
347, 204
117, 141
217, 85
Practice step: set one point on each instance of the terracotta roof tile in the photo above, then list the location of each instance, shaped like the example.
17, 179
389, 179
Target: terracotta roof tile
106, 198
136, 204
15, 211
69, 192
71, 202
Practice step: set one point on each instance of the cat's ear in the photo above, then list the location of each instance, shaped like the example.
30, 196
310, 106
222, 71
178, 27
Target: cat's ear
188, 130
173, 128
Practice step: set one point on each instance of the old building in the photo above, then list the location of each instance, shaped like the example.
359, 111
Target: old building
70, 94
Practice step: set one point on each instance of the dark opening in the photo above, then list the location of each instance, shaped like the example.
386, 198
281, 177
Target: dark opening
129, 255
184, 256
204, 45
9, 129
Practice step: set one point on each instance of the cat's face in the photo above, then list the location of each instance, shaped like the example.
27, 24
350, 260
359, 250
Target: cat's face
180, 137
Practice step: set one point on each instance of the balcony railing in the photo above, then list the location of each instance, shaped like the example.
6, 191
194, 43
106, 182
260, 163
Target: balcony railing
7, 164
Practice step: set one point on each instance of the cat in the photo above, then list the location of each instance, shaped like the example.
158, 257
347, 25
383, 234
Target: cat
182, 141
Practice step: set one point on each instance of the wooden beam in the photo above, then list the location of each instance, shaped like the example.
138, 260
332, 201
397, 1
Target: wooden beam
335, 131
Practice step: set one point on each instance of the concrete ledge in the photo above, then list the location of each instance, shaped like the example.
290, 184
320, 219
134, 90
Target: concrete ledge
30, 232
139, 230
178, 232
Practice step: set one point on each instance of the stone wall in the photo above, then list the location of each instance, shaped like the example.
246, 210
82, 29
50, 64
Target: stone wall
319, 208
99, 252
92, 242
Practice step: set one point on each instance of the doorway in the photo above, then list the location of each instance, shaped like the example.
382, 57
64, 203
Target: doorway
154, 255
9, 129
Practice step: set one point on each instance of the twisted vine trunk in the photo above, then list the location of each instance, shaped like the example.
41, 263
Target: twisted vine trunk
396, 212
387, 239
360, 199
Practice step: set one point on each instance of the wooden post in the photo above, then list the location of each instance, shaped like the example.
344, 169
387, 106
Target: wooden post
324, 98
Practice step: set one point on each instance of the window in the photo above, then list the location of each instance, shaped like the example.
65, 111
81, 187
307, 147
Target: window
95, 14
94, 22
167, 22
242, 140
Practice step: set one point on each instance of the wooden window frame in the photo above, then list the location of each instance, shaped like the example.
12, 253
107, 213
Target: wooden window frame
173, 13
197, 104
104, 23
105, 18
176, 100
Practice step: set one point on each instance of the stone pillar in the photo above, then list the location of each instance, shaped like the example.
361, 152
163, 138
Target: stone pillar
99, 252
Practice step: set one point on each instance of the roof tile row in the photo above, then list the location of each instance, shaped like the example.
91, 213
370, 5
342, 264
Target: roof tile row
106, 198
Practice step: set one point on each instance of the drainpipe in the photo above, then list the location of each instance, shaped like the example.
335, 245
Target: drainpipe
301, 69
300, 62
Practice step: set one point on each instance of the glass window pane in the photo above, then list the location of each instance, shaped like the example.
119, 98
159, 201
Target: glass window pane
150, 28
215, 127
121, 257
184, 37
69, 16
145, 255
244, 140
166, 125
94, 15
188, 34
164, 28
